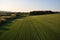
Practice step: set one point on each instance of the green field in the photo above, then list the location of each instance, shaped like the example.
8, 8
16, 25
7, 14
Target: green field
40, 27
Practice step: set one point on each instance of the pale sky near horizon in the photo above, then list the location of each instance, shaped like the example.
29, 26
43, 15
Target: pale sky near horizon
29, 5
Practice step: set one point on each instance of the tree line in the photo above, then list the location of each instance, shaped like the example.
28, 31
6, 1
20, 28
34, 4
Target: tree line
42, 12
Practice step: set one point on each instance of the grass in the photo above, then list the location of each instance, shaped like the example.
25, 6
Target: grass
40, 27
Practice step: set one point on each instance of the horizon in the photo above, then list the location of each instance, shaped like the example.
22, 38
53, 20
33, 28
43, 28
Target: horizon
30, 11
29, 5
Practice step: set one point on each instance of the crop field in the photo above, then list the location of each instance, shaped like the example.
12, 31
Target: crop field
39, 27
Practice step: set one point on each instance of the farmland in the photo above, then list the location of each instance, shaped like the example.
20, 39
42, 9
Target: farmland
39, 27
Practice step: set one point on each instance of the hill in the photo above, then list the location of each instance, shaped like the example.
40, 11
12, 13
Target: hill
39, 27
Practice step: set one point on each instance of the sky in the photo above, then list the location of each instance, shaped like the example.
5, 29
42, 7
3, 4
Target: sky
29, 5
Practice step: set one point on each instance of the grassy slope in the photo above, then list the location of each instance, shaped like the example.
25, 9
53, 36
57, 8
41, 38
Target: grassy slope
44, 27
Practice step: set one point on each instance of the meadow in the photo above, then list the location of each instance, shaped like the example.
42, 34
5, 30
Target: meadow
36, 27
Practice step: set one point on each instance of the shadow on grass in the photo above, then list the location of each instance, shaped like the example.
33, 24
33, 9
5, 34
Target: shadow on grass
3, 30
4, 24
